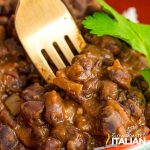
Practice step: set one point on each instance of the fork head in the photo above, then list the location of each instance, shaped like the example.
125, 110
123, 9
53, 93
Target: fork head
40, 24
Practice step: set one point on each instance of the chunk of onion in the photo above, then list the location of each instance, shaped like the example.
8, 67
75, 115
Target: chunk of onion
13, 104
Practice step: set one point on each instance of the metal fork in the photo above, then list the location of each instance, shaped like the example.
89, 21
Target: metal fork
40, 24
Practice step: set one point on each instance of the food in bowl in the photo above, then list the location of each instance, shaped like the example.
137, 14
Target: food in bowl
101, 93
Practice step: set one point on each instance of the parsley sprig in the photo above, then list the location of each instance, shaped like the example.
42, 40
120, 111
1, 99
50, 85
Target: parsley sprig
114, 24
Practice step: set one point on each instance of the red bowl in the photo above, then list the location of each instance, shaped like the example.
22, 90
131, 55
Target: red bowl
142, 7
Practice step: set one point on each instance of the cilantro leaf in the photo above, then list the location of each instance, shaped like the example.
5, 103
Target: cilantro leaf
146, 75
114, 24
102, 24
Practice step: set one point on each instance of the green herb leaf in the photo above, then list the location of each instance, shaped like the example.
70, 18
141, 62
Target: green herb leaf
146, 75
114, 24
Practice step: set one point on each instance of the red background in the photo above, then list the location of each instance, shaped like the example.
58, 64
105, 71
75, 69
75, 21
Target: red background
142, 6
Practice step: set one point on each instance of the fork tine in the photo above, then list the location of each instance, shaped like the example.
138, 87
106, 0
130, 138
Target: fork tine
51, 51
65, 50
77, 40
42, 66
34, 51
